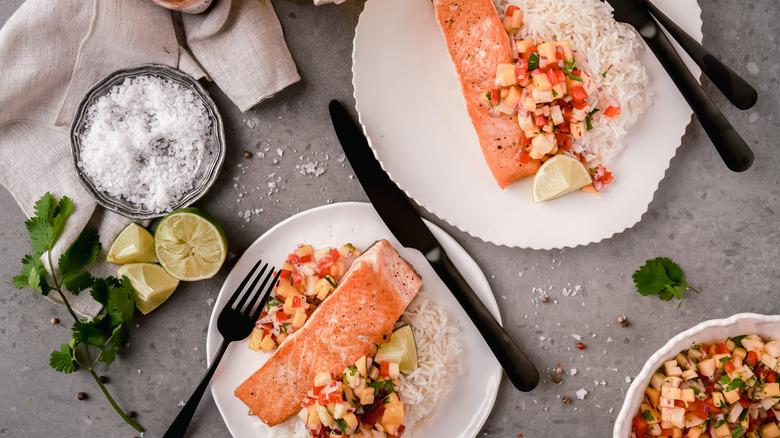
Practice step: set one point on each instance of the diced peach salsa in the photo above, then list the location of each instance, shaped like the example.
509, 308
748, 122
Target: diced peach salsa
727, 389
306, 279
362, 402
554, 100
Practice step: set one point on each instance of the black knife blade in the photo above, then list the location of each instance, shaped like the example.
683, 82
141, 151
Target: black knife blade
731, 147
407, 226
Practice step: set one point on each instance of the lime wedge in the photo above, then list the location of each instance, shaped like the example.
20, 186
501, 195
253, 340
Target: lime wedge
190, 244
151, 284
560, 175
401, 349
134, 244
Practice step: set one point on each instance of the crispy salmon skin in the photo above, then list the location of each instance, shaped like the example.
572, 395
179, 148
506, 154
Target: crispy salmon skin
350, 323
477, 43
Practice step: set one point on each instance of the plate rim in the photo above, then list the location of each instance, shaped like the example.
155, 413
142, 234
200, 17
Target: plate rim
635, 218
444, 238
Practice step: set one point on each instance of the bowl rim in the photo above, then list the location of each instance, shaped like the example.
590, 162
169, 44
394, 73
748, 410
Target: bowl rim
672, 346
212, 171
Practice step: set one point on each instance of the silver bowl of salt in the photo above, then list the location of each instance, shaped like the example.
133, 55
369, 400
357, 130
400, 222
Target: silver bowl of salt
147, 140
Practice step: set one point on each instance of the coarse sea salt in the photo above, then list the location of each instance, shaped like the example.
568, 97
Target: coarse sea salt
144, 142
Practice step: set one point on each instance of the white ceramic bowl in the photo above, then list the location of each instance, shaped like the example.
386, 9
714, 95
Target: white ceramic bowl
708, 331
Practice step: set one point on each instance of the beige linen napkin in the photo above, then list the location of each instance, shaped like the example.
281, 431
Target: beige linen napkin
52, 52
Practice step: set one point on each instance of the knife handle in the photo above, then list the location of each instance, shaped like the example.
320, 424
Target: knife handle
731, 147
736, 89
516, 365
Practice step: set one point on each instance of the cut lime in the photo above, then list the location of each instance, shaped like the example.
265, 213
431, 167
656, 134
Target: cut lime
401, 349
152, 285
558, 176
190, 244
134, 244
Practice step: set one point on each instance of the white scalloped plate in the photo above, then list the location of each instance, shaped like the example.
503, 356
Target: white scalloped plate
767, 326
412, 111
359, 224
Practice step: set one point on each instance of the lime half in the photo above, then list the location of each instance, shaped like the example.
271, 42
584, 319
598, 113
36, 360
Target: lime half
190, 244
560, 175
151, 284
134, 244
401, 349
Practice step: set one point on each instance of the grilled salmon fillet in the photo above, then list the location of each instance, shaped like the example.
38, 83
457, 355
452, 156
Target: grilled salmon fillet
358, 315
477, 43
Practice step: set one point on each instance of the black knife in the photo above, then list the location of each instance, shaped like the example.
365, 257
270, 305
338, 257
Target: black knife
731, 147
407, 226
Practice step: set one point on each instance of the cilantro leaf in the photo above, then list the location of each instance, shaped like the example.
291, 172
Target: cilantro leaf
661, 276
737, 432
88, 333
82, 252
61, 214
533, 61
120, 298
49, 220
647, 416
734, 384
33, 275
44, 207
62, 360
76, 283
99, 290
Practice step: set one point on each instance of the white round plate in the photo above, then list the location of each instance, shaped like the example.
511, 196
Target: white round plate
359, 224
767, 326
410, 105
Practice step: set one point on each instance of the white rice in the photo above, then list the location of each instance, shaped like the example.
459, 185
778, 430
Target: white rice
438, 357
600, 45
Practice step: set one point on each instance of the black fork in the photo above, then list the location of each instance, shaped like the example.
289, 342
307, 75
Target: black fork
234, 324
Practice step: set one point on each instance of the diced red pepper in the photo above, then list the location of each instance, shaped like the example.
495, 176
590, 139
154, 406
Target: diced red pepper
306, 258
559, 56
563, 128
285, 274
752, 358
384, 368
640, 426
576, 73
771, 377
577, 92
524, 141
317, 389
296, 278
556, 76
523, 157
297, 302
540, 120
293, 258
563, 140
729, 367
720, 348
744, 402
578, 104
334, 255
511, 10
495, 96
613, 112
281, 316
705, 408
521, 73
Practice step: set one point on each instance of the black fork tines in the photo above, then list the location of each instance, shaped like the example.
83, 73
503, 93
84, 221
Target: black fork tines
250, 291
251, 308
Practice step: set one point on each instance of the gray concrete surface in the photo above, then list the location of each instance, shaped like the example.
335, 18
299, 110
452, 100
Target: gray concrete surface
722, 228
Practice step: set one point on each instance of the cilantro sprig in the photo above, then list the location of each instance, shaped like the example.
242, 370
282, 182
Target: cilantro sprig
663, 277
105, 332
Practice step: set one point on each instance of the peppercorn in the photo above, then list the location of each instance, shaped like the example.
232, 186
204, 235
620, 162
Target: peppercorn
130, 414
544, 299
556, 379
247, 154
103, 379
581, 346
55, 321
566, 400
559, 370
624, 322
82, 396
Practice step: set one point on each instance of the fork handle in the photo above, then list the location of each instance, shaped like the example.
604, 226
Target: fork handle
182, 421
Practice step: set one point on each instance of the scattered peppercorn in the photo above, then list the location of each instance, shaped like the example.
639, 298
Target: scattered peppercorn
624, 322
55, 321
104, 379
130, 414
566, 400
544, 299
82, 396
247, 154
559, 370
621, 319
581, 346
557, 379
